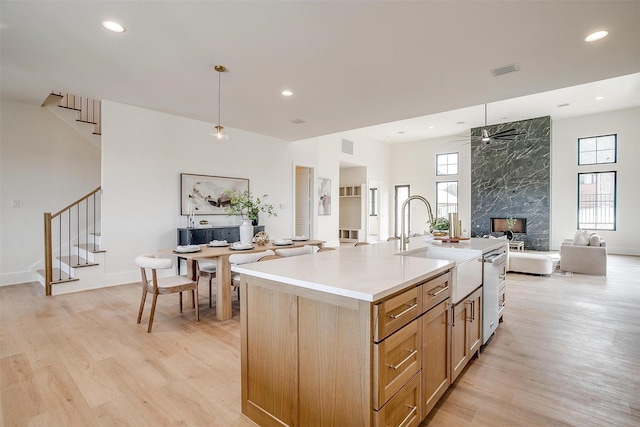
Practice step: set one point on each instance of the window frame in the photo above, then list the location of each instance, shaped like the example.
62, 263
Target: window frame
397, 207
596, 162
437, 198
615, 202
373, 202
448, 165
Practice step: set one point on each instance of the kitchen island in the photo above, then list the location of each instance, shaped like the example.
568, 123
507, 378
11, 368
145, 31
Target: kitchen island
358, 336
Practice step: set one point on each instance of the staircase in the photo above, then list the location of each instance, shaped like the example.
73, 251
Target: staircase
72, 238
72, 245
77, 112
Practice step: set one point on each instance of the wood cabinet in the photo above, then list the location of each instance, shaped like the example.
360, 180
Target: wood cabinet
203, 235
466, 331
312, 358
436, 354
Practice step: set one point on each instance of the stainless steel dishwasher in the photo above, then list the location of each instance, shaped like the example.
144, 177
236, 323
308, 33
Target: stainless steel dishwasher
493, 283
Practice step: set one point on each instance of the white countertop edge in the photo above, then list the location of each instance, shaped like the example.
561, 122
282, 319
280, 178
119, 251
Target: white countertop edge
335, 290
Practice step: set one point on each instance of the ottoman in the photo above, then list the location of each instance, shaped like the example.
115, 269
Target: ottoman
526, 262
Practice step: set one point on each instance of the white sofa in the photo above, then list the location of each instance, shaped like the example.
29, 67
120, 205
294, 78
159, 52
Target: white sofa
586, 259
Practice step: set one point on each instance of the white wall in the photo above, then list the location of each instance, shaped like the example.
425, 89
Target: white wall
565, 169
367, 152
144, 153
45, 165
415, 164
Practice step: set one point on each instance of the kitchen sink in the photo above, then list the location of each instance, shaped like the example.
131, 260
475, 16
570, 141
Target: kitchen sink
467, 273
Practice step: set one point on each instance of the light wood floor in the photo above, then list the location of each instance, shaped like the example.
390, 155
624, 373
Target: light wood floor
568, 354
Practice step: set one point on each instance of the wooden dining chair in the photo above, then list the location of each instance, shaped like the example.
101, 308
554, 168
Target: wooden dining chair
361, 243
326, 249
303, 250
237, 259
269, 257
206, 269
392, 238
152, 284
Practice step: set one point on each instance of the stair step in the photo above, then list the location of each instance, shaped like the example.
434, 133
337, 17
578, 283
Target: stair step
76, 262
58, 276
90, 247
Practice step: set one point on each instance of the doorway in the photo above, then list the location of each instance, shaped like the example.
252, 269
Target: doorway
402, 193
303, 201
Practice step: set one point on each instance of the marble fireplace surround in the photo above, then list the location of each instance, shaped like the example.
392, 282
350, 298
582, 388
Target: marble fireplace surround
513, 178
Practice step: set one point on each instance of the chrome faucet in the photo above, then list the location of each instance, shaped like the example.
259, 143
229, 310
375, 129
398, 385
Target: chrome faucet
404, 237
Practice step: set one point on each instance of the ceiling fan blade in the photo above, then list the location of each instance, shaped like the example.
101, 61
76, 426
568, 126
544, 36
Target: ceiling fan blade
506, 131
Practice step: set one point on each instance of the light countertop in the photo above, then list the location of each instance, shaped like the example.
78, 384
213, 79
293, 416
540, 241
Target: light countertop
368, 272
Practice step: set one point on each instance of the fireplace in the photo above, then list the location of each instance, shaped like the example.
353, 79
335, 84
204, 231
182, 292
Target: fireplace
499, 225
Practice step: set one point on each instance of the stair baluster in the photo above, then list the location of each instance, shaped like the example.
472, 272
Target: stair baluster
62, 244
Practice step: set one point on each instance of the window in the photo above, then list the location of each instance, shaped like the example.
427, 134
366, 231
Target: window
447, 164
373, 202
446, 198
402, 194
597, 201
597, 150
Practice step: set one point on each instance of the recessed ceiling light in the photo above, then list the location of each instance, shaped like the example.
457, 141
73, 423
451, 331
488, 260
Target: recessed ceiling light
113, 26
596, 36
598, 98
431, 127
287, 93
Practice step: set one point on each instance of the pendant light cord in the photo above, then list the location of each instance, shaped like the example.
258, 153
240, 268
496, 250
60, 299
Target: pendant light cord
219, 105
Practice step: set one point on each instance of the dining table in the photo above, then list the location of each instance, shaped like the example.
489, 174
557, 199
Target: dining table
220, 254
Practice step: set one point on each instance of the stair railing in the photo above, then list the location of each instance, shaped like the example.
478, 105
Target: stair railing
89, 110
67, 227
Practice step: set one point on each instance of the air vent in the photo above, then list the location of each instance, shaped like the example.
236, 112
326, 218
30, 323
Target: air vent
505, 70
298, 121
347, 146
563, 105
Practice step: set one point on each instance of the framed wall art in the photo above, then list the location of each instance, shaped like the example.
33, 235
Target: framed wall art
324, 196
204, 194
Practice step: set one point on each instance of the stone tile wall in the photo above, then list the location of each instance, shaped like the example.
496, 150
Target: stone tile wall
513, 178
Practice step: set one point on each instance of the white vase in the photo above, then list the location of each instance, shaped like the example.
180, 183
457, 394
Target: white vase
246, 232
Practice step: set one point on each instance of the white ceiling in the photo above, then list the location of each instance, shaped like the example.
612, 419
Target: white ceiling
350, 64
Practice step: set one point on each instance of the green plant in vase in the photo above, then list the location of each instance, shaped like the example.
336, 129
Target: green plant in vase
511, 221
440, 227
247, 205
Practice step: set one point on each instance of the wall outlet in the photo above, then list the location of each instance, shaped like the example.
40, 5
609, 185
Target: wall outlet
15, 203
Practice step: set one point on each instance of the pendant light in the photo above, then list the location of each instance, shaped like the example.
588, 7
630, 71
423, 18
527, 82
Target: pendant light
217, 133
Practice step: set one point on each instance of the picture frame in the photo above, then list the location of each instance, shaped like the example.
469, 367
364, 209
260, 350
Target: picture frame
324, 196
202, 194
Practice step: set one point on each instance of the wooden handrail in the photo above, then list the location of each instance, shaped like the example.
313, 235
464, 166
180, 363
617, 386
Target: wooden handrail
82, 199
48, 234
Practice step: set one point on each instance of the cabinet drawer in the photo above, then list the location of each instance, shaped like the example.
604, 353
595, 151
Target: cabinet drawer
395, 361
436, 290
403, 410
502, 299
392, 314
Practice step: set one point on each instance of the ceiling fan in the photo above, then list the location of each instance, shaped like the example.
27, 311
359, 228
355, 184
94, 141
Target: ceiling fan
486, 137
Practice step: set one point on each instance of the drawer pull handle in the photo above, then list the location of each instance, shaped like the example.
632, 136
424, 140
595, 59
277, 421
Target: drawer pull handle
433, 294
413, 410
402, 313
411, 354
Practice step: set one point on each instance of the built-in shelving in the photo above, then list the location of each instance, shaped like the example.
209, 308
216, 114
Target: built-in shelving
351, 191
352, 209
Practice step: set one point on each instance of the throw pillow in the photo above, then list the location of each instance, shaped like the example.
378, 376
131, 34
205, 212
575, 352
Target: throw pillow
595, 239
581, 238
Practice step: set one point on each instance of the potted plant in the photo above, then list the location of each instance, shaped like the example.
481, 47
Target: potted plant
440, 227
511, 221
247, 205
